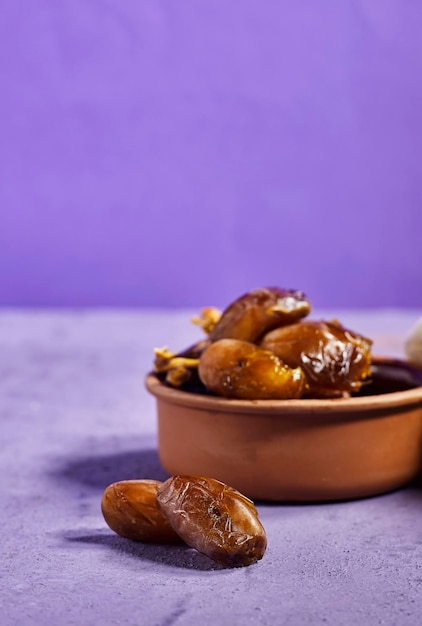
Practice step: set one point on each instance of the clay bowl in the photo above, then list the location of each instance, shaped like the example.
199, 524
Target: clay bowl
298, 450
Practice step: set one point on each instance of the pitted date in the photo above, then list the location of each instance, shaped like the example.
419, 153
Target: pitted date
130, 509
215, 519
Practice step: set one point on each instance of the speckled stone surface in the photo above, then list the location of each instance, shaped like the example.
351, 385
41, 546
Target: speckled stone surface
74, 416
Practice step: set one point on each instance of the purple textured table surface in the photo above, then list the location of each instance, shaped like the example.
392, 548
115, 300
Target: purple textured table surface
75, 417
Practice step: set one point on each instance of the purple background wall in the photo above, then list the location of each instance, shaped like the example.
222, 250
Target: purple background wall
166, 153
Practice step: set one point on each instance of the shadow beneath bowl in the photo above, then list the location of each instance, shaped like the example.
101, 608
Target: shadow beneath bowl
415, 488
95, 472
173, 555
100, 470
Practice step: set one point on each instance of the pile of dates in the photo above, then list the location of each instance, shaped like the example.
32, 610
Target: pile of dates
262, 347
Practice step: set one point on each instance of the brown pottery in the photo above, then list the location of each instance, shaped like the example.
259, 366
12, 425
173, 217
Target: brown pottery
298, 450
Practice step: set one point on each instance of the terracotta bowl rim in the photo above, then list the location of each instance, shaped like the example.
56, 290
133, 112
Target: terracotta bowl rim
387, 401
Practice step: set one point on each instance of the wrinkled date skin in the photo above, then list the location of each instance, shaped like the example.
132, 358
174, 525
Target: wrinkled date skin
332, 357
130, 509
258, 311
242, 370
213, 518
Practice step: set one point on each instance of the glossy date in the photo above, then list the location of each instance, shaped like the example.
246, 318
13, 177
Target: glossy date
333, 358
130, 509
215, 519
238, 369
258, 311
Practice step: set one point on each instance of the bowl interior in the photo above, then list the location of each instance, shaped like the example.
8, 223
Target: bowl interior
394, 383
390, 376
